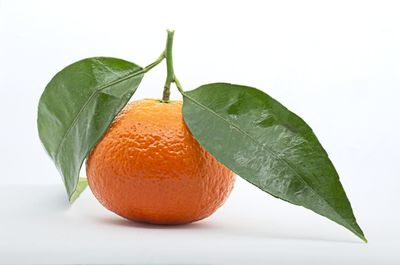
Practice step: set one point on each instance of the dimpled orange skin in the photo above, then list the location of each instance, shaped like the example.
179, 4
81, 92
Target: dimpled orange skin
149, 168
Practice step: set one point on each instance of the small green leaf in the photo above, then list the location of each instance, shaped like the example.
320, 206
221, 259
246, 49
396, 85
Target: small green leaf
77, 107
269, 146
82, 184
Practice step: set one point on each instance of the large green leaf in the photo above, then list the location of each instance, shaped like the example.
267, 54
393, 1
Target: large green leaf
269, 146
77, 107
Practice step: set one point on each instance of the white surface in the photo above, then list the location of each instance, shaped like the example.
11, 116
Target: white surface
252, 229
335, 63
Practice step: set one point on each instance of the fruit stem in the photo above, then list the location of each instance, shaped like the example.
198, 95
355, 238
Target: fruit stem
170, 66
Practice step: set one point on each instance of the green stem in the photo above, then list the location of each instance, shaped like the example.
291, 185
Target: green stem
170, 67
153, 64
179, 86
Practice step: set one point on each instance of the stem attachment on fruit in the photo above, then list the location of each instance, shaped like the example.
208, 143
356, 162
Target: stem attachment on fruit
170, 66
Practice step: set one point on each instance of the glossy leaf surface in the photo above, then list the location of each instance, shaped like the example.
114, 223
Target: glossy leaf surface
78, 106
269, 146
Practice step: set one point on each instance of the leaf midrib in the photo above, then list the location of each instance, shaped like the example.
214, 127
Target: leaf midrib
96, 91
270, 151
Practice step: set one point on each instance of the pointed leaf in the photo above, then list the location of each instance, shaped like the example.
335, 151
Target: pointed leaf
77, 107
269, 146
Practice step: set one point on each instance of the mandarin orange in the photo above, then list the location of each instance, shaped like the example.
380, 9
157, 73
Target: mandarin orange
149, 168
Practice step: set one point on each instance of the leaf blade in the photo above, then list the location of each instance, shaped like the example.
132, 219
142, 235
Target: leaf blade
269, 146
78, 105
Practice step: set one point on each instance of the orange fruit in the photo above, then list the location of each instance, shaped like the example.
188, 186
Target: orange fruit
149, 168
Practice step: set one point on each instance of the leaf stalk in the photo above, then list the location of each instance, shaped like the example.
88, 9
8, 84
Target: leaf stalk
154, 64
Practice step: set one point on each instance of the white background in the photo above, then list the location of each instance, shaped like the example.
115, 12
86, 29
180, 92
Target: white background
334, 63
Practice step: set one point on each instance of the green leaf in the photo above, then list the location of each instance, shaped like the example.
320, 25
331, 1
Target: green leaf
77, 107
269, 146
82, 184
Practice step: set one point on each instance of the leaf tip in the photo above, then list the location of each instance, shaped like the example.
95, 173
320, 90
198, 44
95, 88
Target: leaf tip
363, 238
360, 234
81, 186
